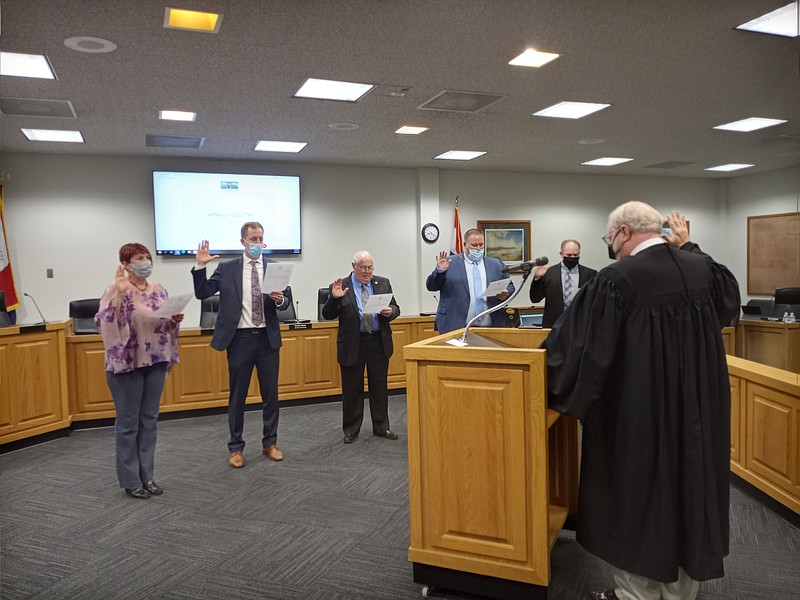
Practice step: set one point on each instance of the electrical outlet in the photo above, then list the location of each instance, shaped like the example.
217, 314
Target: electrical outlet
49, 273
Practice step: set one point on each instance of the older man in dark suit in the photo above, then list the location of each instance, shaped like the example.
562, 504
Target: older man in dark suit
363, 339
247, 327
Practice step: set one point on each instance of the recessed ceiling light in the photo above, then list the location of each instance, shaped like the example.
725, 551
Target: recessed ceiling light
53, 135
191, 20
729, 167
91, 45
782, 21
344, 126
589, 141
459, 155
606, 161
25, 65
533, 58
176, 115
327, 89
750, 124
411, 130
267, 146
570, 110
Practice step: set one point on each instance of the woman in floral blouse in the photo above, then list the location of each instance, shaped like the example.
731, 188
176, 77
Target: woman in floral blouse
140, 351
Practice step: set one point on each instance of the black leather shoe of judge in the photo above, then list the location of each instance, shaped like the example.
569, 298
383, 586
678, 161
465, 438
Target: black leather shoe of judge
389, 435
152, 487
349, 438
604, 595
140, 493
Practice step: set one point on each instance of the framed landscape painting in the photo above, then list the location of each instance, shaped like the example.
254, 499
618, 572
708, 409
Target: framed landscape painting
509, 241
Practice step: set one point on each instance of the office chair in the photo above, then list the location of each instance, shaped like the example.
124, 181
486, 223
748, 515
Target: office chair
5, 320
767, 305
322, 298
208, 312
787, 295
82, 313
288, 315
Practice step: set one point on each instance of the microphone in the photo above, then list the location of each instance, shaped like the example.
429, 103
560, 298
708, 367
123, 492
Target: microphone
44, 321
528, 265
435, 298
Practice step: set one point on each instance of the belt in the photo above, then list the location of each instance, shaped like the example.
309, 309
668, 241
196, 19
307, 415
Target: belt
370, 334
251, 329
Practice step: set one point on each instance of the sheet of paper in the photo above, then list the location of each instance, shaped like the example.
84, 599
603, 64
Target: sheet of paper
276, 277
173, 306
496, 287
376, 303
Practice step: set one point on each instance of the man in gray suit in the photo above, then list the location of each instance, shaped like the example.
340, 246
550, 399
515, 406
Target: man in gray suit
363, 339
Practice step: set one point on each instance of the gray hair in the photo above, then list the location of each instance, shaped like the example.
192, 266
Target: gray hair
640, 217
362, 254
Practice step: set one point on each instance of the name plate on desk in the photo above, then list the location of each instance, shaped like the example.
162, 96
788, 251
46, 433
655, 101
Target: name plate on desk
300, 325
33, 328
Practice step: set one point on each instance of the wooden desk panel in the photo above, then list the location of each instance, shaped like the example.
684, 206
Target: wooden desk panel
770, 343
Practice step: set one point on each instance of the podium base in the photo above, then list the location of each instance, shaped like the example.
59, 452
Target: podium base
481, 585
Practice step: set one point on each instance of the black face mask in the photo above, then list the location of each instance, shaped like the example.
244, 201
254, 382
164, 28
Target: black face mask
570, 261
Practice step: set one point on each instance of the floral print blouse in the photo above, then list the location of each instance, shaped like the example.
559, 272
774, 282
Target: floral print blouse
132, 337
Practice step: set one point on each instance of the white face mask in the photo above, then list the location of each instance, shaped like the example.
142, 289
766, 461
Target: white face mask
475, 255
142, 269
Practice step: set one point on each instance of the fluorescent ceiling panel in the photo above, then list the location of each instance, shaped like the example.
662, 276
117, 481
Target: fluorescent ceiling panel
53, 135
411, 130
459, 155
267, 146
782, 21
327, 89
191, 20
25, 65
607, 161
750, 124
533, 58
176, 115
729, 167
570, 110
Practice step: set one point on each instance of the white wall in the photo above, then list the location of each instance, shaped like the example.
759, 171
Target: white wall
72, 213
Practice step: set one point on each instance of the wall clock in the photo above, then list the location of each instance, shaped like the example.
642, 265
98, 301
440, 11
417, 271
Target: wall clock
430, 232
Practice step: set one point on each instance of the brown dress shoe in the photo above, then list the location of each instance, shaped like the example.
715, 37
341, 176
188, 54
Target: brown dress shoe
272, 453
236, 460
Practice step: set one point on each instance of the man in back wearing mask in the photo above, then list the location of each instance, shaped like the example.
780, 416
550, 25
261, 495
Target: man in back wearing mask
461, 279
559, 284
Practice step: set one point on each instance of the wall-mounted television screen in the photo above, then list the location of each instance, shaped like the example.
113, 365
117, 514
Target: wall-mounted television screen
191, 207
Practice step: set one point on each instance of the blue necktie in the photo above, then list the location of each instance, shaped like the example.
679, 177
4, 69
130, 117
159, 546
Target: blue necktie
477, 286
569, 290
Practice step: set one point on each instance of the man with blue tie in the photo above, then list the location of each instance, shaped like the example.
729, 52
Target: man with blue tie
363, 339
558, 285
461, 280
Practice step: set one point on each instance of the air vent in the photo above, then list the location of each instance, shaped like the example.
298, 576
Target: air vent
174, 141
463, 102
30, 107
670, 164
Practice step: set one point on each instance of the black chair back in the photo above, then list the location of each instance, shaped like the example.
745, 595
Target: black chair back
5, 320
322, 298
209, 307
289, 314
82, 313
787, 295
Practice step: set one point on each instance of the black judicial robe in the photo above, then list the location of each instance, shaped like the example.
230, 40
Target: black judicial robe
638, 357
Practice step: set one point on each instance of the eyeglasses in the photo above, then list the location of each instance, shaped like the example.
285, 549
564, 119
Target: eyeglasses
365, 269
610, 240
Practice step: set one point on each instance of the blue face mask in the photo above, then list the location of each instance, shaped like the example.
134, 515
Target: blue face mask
254, 250
142, 269
475, 255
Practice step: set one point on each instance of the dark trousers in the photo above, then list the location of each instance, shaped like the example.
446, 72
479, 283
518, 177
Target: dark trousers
137, 396
371, 354
250, 348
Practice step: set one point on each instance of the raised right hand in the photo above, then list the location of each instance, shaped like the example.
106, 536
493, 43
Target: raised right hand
538, 272
337, 291
121, 280
203, 255
442, 261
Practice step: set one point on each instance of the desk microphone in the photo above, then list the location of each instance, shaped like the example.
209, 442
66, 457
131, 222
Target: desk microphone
44, 321
527, 266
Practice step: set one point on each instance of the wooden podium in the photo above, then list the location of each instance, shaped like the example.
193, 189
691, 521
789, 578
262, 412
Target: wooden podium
493, 473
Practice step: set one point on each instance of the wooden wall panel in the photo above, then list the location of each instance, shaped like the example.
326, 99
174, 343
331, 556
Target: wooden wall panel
772, 436
737, 441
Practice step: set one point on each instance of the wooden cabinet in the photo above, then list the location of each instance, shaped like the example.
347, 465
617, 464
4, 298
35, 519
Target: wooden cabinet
769, 343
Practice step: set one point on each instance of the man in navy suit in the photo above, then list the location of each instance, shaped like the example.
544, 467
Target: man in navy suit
247, 327
363, 339
461, 279
558, 285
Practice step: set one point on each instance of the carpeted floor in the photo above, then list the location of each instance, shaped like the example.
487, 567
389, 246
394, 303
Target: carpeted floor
329, 522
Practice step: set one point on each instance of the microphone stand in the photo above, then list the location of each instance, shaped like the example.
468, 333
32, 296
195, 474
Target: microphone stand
525, 274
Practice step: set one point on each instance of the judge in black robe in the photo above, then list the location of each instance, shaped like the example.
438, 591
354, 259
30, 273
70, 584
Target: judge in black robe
638, 357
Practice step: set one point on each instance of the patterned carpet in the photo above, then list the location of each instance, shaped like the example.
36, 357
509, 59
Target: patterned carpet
329, 522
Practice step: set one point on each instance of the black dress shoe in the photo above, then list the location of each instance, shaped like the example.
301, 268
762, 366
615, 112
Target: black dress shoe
349, 438
153, 488
389, 435
140, 493
604, 595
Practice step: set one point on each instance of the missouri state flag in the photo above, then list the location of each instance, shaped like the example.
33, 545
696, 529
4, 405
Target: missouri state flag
6, 276
456, 244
